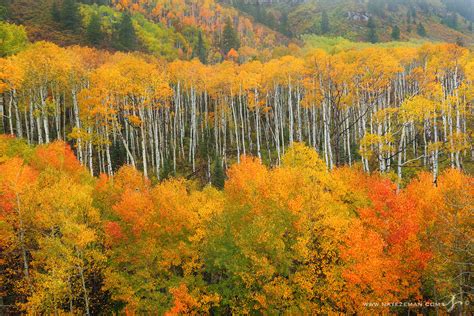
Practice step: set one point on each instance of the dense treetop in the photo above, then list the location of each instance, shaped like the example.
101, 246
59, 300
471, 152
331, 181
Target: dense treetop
294, 238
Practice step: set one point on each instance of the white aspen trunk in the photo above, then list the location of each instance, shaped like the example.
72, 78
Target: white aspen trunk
290, 111
348, 141
84, 289
257, 124
216, 130
326, 154
127, 149
77, 124
100, 159
27, 126
157, 146
224, 138
151, 142
242, 125
458, 131
91, 166
450, 127
143, 142
299, 133
10, 115
380, 153
435, 151
107, 151
57, 117
175, 127
281, 115
39, 129
248, 126
19, 129
236, 129
64, 119
400, 157
44, 115
277, 129
193, 135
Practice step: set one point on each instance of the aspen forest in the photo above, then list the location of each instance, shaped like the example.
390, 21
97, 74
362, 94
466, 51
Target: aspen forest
304, 175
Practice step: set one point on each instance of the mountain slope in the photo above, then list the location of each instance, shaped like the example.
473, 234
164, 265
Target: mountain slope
168, 29
447, 20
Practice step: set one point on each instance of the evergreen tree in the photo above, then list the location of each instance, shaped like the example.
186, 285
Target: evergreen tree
376, 7
70, 15
372, 35
420, 29
451, 20
230, 38
4, 4
126, 39
470, 26
55, 12
392, 7
396, 32
284, 25
3, 13
413, 14
167, 170
324, 23
259, 13
94, 32
218, 175
201, 49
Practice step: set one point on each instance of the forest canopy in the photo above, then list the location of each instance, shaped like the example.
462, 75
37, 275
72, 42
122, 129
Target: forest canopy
294, 238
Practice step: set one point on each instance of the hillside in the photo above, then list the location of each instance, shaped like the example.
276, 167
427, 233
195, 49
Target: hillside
171, 30
447, 20
187, 29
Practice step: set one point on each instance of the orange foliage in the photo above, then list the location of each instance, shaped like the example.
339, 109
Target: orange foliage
58, 156
383, 248
183, 303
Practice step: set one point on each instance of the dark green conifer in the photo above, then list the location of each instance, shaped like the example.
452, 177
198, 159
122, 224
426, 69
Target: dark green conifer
70, 15
94, 30
55, 12
201, 49
420, 29
218, 175
372, 34
395, 33
324, 23
126, 39
230, 38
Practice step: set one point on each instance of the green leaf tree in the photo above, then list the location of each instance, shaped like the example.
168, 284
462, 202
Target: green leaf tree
13, 38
